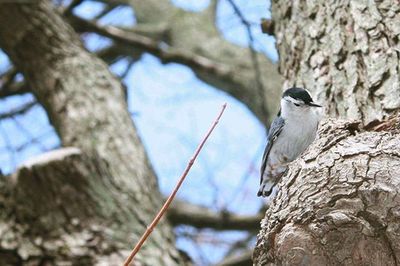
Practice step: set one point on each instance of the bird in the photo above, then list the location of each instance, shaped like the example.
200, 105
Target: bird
291, 132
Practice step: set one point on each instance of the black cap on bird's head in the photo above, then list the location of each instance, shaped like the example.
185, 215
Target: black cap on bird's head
300, 94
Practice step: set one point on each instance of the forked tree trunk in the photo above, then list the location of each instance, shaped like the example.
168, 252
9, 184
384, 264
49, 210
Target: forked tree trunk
340, 204
85, 205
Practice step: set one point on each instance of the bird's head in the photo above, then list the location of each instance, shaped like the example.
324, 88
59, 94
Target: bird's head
297, 101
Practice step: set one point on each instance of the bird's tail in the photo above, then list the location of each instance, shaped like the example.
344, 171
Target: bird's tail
269, 181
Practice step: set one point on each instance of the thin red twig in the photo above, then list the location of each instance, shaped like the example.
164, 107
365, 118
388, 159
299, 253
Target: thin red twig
172, 195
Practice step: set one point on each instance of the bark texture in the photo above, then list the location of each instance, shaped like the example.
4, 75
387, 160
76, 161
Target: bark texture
345, 52
339, 203
105, 191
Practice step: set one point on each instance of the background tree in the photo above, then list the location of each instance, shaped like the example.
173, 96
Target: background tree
84, 190
88, 202
339, 203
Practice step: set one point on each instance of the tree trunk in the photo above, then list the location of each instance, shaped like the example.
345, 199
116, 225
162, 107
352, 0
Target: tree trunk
345, 52
85, 205
339, 203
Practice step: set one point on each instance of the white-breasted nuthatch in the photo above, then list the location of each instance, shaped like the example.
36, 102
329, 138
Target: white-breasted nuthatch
291, 132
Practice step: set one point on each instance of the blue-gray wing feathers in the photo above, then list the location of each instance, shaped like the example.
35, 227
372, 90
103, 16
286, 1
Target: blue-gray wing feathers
273, 133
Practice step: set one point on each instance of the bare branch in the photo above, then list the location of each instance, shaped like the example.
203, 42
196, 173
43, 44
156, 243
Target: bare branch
15, 88
164, 208
166, 54
74, 3
106, 10
240, 245
202, 217
217, 62
19, 110
8, 86
7, 77
267, 26
127, 69
253, 53
238, 260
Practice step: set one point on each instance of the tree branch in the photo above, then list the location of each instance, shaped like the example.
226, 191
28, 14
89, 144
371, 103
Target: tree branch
253, 53
7, 77
213, 59
164, 208
165, 53
9, 87
15, 88
68, 10
243, 259
202, 217
19, 110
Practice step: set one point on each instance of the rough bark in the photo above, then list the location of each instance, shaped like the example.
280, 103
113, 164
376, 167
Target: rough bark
108, 186
339, 203
345, 52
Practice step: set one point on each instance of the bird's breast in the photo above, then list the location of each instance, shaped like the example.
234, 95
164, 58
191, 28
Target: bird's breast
295, 137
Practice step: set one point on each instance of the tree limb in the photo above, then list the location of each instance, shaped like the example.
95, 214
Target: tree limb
165, 53
202, 217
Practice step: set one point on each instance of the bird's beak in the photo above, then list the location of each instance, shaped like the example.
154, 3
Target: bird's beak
314, 104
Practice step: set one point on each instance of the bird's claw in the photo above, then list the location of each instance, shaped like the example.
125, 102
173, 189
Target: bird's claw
264, 193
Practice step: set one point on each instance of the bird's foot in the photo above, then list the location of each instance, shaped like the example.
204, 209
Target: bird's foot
264, 192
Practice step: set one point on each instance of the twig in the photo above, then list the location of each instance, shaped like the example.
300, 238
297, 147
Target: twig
200, 217
164, 208
253, 54
68, 9
147, 44
20, 110
9, 86
7, 77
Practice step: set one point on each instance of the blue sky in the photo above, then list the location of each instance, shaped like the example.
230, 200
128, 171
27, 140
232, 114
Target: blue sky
172, 110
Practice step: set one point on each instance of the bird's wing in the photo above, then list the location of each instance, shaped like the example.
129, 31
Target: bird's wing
274, 131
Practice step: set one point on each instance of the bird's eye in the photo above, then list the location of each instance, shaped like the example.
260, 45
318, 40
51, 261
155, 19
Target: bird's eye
296, 104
